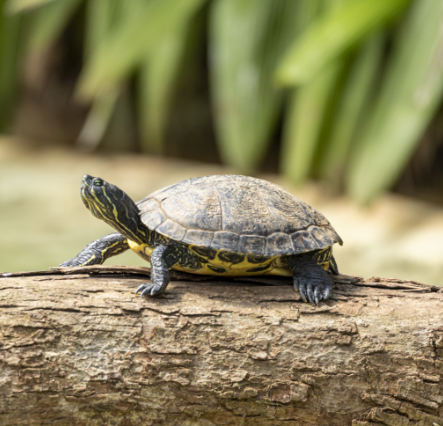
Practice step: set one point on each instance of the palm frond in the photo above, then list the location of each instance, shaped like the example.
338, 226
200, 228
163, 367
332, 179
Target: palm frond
409, 96
131, 40
331, 35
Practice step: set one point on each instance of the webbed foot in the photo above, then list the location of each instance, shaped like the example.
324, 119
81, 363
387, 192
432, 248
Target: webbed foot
159, 273
313, 290
98, 251
310, 279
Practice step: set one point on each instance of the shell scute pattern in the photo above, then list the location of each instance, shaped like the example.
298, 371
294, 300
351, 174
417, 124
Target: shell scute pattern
302, 241
206, 252
198, 238
172, 229
289, 212
230, 257
319, 236
225, 240
278, 242
244, 211
154, 218
210, 180
196, 208
217, 269
333, 236
252, 244
147, 204
170, 191
237, 214
253, 258
260, 268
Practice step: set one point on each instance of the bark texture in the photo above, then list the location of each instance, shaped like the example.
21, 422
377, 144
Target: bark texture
78, 348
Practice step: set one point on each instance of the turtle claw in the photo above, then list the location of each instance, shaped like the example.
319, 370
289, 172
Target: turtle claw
149, 290
317, 296
327, 292
310, 293
145, 289
311, 290
299, 286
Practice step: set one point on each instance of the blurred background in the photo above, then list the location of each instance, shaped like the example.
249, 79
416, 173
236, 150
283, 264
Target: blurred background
339, 101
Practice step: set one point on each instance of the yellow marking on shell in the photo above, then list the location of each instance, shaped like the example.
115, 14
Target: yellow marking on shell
240, 269
276, 266
205, 270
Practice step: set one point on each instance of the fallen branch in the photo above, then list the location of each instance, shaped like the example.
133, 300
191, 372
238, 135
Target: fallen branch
78, 348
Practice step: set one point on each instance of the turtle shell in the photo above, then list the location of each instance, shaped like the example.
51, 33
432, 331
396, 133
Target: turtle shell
237, 213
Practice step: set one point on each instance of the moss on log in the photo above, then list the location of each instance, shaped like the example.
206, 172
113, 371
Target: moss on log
78, 348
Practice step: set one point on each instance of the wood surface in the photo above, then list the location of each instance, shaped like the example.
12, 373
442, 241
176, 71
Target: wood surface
78, 348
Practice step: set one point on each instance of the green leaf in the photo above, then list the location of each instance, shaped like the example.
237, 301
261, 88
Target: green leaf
101, 16
303, 124
156, 83
307, 110
246, 38
131, 41
409, 96
348, 122
97, 121
11, 31
17, 6
328, 37
49, 20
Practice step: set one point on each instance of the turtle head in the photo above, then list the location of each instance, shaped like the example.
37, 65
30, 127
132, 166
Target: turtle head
112, 205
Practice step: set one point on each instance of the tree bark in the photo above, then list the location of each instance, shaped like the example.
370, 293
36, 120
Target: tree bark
78, 348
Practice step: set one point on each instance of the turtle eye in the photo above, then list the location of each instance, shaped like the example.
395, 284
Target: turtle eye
98, 182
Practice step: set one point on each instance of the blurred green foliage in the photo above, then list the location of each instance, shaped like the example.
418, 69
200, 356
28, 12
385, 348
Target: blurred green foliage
352, 83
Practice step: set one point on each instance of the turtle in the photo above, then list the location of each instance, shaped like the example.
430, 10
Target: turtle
223, 225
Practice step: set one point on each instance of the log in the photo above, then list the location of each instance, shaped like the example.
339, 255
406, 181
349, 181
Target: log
78, 348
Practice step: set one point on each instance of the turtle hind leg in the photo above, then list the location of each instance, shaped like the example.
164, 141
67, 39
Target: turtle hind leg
98, 251
326, 259
333, 266
310, 279
159, 273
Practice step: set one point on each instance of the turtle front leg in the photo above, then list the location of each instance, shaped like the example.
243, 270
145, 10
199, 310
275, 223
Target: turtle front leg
159, 272
310, 279
98, 251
